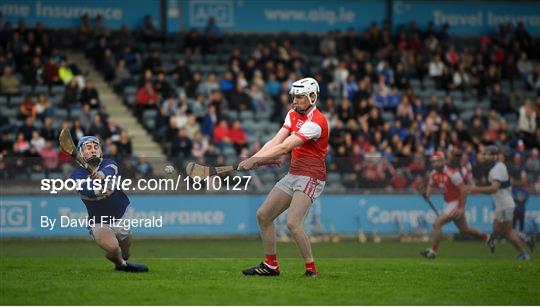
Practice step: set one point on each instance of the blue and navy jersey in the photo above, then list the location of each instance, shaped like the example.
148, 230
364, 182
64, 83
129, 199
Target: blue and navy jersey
113, 205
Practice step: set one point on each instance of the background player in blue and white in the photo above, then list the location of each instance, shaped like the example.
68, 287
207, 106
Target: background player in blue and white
107, 203
501, 193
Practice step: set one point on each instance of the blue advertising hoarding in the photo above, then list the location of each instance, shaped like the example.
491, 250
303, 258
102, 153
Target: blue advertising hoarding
468, 17
283, 15
63, 14
194, 215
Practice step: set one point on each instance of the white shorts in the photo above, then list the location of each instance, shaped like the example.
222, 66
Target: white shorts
310, 186
504, 215
120, 232
450, 209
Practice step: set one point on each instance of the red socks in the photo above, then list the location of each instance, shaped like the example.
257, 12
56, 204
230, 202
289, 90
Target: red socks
484, 236
271, 261
310, 266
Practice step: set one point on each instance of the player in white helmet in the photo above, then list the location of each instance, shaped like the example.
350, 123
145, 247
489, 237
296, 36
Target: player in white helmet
305, 133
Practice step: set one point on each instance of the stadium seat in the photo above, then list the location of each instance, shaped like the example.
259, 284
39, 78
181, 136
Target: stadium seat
26, 89
387, 116
130, 90
247, 115
41, 89
149, 114
16, 100
61, 113
57, 90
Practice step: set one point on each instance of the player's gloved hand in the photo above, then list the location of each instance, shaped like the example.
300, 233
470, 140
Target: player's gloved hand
97, 175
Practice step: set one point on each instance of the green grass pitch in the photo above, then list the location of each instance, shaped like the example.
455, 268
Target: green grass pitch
207, 272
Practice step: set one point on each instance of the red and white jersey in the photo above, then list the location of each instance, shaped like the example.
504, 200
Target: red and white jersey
448, 181
308, 159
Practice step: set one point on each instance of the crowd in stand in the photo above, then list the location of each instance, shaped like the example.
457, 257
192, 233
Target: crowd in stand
392, 97
31, 118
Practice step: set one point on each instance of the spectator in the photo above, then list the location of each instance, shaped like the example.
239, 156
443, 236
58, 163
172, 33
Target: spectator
90, 95
27, 108
21, 145
124, 145
181, 146
37, 141
44, 108
448, 110
208, 86
47, 130
9, 84
162, 87
100, 29
221, 133
122, 76
532, 164
146, 98
27, 128
436, 68
200, 146
238, 136
461, 79
144, 168
192, 127
181, 72
533, 81
153, 62
192, 86
240, 100
64, 72
149, 31
500, 101
51, 72
527, 125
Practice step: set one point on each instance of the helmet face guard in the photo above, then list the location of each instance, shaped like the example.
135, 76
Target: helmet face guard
438, 161
94, 161
305, 87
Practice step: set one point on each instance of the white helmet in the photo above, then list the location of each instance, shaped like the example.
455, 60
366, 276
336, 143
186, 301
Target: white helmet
305, 87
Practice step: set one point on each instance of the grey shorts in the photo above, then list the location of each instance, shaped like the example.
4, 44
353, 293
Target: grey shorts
310, 186
504, 215
121, 233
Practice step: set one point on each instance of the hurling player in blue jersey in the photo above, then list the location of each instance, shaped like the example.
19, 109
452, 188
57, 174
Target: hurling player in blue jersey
105, 204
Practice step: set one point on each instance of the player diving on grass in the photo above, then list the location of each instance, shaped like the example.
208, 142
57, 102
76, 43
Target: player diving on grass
104, 204
451, 183
304, 133
501, 193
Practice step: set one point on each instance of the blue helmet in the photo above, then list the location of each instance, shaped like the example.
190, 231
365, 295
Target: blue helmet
95, 161
87, 139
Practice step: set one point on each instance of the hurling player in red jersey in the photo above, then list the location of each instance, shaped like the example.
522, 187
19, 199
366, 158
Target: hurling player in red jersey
451, 183
305, 134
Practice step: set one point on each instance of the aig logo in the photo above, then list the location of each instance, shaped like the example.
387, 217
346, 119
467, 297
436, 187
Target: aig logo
221, 10
15, 216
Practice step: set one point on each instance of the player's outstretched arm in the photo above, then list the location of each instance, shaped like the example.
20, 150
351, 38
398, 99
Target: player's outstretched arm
495, 185
271, 153
280, 136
